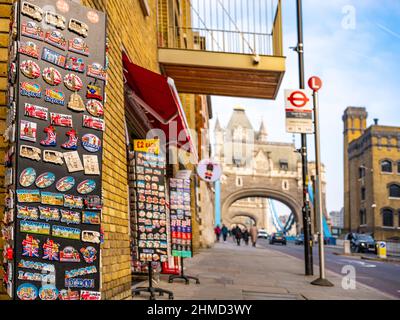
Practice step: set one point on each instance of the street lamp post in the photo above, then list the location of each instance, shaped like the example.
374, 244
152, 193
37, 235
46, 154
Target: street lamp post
308, 241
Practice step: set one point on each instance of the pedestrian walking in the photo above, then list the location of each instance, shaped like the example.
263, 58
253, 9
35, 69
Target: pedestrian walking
224, 232
254, 235
246, 236
217, 232
233, 233
238, 235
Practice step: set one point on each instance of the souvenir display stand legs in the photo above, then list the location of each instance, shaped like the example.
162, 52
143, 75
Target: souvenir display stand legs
56, 97
182, 276
150, 289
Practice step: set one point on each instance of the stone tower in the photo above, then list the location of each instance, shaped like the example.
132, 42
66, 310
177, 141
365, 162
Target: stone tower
355, 123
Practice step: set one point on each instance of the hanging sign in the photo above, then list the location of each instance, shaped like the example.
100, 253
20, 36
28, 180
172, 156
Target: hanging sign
209, 171
298, 107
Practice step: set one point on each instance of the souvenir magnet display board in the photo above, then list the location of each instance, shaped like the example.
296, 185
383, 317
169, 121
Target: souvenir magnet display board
60, 71
151, 204
181, 218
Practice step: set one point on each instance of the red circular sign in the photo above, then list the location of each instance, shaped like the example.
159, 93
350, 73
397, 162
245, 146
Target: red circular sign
315, 83
298, 99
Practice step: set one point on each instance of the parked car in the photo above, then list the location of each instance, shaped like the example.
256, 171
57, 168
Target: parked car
262, 234
361, 242
299, 241
278, 237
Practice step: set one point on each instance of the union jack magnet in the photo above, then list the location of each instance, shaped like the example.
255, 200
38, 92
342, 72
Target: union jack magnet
93, 123
51, 250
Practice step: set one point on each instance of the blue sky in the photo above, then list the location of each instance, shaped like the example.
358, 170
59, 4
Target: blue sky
358, 60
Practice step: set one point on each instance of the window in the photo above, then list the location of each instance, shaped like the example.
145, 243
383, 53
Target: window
387, 217
239, 182
394, 191
386, 166
284, 165
363, 217
361, 172
363, 193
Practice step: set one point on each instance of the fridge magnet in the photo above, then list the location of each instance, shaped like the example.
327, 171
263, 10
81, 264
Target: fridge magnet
79, 283
45, 180
32, 11
31, 90
70, 217
27, 213
12, 112
27, 177
38, 266
89, 217
48, 292
51, 139
53, 157
28, 196
52, 199
75, 64
65, 184
78, 45
91, 143
39, 277
61, 120
73, 82
91, 165
96, 70
29, 49
92, 203
50, 250
49, 214
95, 108
56, 20
69, 254
36, 112
94, 92
91, 236
86, 187
8, 179
73, 202
72, 143
81, 272
54, 57
30, 69
73, 161
66, 233
55, 97
52, 76
12, 73
78, 27
28, 131
76, 103
68, 295
35, 227
27, 292
56, 38
93, 123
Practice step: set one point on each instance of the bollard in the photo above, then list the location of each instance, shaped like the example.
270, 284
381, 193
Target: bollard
381, 250
346, 247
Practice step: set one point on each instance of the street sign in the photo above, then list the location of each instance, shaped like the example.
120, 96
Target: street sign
315, 83
299, 110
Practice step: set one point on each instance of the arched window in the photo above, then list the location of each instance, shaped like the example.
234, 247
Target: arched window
363, 217
387, 166
387, 217
394, 191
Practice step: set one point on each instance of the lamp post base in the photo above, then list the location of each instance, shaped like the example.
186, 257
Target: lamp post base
322, 283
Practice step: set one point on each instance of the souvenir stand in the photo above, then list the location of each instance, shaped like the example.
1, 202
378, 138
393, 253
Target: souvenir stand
181, 225
151, 215
54, 162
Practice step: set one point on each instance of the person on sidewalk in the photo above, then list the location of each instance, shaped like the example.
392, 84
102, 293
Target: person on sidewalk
224, 231
254, 235
238, 235
233, 233
217, 231
246, 236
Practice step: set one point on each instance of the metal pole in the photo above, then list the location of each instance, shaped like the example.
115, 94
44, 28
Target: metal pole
308, 241
321, 281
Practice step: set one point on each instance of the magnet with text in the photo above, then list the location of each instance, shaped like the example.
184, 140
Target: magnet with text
52, 199
92, 202
70, 217
72, 143
62, 120
27, 213
78, 45
66, 233
54, 57
75, 64
51, 139
96, 70
70, 254
52, 76
49, 214
29, 49
32, 30
35, 227
73, 202
93, 123
38, 266
31, 90
55, 97
91, 143
68, 295
90, 295
28, 196
28, 131
36, 112
81, 272
57, 39
90, 217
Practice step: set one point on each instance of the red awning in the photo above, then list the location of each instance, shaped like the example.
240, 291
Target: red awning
157, 95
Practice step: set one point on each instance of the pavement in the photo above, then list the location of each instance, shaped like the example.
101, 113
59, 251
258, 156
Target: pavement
229, 272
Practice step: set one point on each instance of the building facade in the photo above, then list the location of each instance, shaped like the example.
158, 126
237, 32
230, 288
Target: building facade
372, 176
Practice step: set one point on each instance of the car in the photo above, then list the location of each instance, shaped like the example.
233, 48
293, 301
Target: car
262, 234
361, 243
299, 240
278, 237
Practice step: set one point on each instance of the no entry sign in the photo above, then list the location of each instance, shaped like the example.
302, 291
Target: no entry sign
298, 108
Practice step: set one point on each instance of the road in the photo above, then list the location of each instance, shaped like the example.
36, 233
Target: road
383, 276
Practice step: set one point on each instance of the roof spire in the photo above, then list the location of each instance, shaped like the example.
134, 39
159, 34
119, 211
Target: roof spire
262, 133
